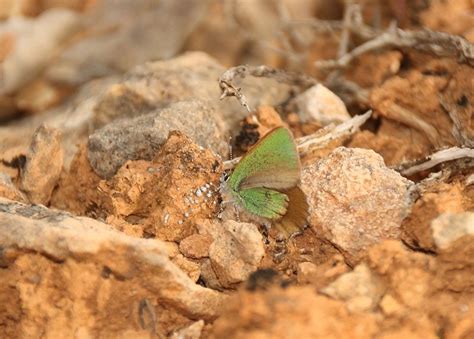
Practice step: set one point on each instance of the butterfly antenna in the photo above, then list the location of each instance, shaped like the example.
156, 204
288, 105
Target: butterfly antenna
231, 156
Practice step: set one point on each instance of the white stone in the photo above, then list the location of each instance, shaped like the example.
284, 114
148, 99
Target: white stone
320, 104
449, 227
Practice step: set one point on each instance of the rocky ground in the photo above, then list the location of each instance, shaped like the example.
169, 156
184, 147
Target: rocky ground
113, 145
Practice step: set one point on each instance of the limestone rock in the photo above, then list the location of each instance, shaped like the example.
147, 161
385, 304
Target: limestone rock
147, 194
34, 42
142, 137
360, 288
355, 200
208, 275
44, 162
190, 76
192, 331
54, 263
155, 85
319, 104
191, 268
236, 251
390, 305
8, 189
322, 274
449, 227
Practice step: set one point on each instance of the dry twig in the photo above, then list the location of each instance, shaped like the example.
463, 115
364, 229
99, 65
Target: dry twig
323, 137
354, 24
345, 34
437, 158
398, 113
347, 90
227, 79
437, 43
460, 129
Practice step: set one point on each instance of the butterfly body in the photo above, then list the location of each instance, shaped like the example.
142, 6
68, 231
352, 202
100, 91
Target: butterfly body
266, 178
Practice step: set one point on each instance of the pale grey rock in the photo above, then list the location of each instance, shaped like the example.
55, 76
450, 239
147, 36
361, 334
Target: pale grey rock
44, 162
141, 138
148, 88
355, 200
236, 251
319, 104
190, 76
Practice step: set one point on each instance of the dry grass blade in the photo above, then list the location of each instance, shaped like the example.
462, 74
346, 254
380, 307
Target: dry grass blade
323, 137
437, 158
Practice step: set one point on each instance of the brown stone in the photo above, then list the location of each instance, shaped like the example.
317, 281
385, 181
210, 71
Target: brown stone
196, 246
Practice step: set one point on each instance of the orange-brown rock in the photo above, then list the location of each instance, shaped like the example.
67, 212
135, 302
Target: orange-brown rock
166, 196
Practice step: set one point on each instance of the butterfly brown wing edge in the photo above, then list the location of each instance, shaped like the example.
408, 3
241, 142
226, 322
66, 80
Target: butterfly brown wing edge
297, 213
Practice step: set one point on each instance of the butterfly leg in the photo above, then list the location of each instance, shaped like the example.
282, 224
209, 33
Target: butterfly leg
237, 213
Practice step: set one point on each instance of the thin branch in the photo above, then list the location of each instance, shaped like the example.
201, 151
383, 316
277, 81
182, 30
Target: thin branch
228, 77
437, 158
321, 138
436, 43
319, 26
460, 130
347, 90
345, 34
398, 113
355, 25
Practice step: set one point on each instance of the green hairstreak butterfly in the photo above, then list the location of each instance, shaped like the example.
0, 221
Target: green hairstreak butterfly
265, 182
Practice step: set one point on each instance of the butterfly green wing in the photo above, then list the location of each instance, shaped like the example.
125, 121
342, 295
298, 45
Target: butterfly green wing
273, 162
264, 202
270, 166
